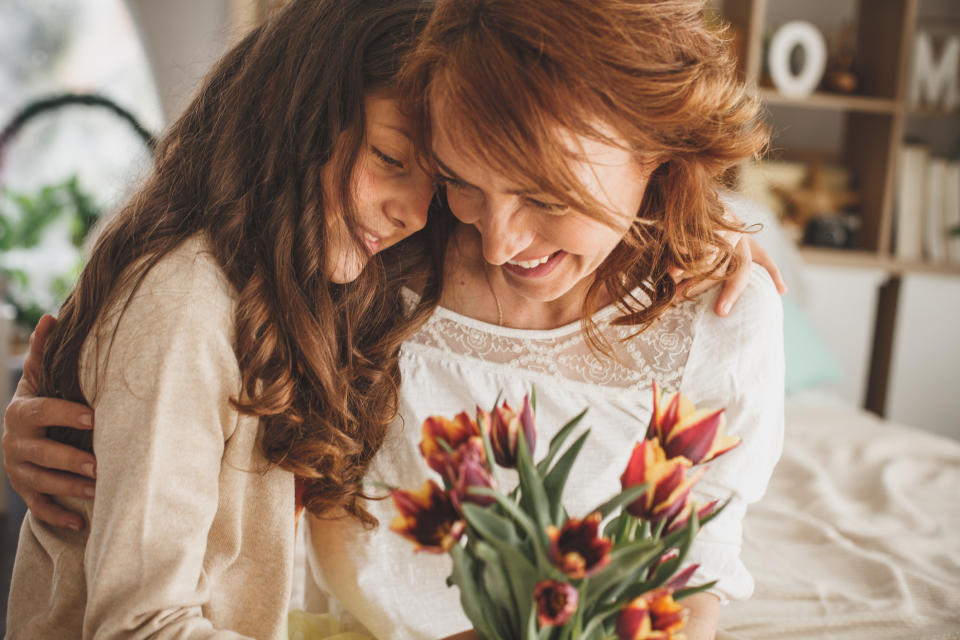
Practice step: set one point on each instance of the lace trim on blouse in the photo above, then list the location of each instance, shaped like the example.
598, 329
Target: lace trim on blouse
657, 354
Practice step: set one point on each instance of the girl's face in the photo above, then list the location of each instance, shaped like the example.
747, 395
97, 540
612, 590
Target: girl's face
543, 250
391, 192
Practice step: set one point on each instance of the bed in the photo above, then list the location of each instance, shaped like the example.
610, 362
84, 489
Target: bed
858, 535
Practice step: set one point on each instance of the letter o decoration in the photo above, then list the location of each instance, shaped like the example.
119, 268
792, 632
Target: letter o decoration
791, 35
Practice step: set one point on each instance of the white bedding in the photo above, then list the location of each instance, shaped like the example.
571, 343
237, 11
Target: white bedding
858, 535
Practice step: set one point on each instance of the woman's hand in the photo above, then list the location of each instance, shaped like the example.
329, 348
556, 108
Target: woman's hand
749, 252
39, 467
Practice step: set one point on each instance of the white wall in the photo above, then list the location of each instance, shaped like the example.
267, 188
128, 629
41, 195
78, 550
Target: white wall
924, 386
182, 38
841, 302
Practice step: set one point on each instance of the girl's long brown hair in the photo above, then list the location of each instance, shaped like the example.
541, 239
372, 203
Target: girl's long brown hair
242, 166
515, 75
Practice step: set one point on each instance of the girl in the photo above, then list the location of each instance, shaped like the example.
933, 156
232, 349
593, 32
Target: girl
237, 324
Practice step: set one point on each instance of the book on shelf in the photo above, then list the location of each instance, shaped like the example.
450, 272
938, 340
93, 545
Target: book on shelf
951, 210
910, 203
935, 224
927, 207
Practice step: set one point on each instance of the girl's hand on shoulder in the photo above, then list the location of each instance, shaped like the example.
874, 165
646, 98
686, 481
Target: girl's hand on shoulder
39, 467
750, 252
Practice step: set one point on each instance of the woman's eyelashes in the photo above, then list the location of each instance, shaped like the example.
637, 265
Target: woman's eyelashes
440, 180
390, 161
549, 207
556, 208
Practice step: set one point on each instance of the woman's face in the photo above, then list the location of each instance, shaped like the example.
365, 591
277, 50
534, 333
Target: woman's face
542, 249
391, 192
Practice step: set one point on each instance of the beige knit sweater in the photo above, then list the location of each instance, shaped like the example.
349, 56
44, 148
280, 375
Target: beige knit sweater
192, 532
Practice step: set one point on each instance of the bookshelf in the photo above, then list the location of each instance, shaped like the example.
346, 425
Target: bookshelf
865, 132
870, 125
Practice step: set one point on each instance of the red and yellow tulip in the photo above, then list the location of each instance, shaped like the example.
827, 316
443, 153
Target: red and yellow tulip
669, 484
427, 517
505, 426
556, 602
577, 549
681, 519
683, 430
653, 616
454, 433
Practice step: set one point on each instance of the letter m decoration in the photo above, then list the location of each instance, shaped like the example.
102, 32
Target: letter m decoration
935, 81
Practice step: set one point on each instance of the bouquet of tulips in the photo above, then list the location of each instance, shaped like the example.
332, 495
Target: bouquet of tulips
526, 568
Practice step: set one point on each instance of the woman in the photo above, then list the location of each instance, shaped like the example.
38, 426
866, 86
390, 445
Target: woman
237, 325
581, 147
481, 296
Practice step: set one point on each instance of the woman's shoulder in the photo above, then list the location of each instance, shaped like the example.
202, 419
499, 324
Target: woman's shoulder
743, 345
758, 307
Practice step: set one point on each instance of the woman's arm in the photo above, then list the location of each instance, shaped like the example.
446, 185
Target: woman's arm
703, 616
736, 363
37, 466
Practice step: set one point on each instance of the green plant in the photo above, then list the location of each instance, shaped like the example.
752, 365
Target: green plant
25, 219
24, 222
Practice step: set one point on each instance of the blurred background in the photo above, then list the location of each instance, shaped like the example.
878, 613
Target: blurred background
859, 193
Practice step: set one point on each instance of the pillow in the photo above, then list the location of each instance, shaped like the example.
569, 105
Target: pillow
809, 361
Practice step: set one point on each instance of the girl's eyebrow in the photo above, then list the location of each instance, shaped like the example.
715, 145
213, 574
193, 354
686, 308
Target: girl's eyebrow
400, 130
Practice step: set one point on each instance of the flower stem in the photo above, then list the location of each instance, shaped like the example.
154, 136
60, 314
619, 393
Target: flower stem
659, 530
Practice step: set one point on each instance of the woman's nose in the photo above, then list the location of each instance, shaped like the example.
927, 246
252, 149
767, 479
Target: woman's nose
503, 232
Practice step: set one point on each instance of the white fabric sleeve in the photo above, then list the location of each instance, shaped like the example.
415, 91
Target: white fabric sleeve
737, 362
161, 396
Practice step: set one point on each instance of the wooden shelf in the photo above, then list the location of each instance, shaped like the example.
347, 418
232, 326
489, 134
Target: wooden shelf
871, 260
832, 101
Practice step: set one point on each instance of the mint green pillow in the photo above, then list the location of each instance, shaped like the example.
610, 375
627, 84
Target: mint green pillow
809, 361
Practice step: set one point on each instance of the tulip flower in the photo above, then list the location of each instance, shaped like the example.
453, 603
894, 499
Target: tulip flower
653, 616
472, 471
681, 519
504, 426
556, 602
683, 430
669, 485
427, 517
576, 549
445, 460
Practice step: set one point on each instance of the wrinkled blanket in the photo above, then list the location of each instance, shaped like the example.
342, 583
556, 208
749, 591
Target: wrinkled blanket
858, 535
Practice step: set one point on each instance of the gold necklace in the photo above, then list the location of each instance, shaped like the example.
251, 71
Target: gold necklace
486, 275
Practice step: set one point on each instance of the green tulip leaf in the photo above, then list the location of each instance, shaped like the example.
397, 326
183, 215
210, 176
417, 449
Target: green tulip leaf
625, 564
531, 630
533, 496
487, 446
556, 479
626, 496
535, 534
470, 594
556, 443
689, 591
595, 626
497, 587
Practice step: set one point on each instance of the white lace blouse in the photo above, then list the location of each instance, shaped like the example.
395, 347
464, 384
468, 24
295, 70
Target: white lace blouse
375, 582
